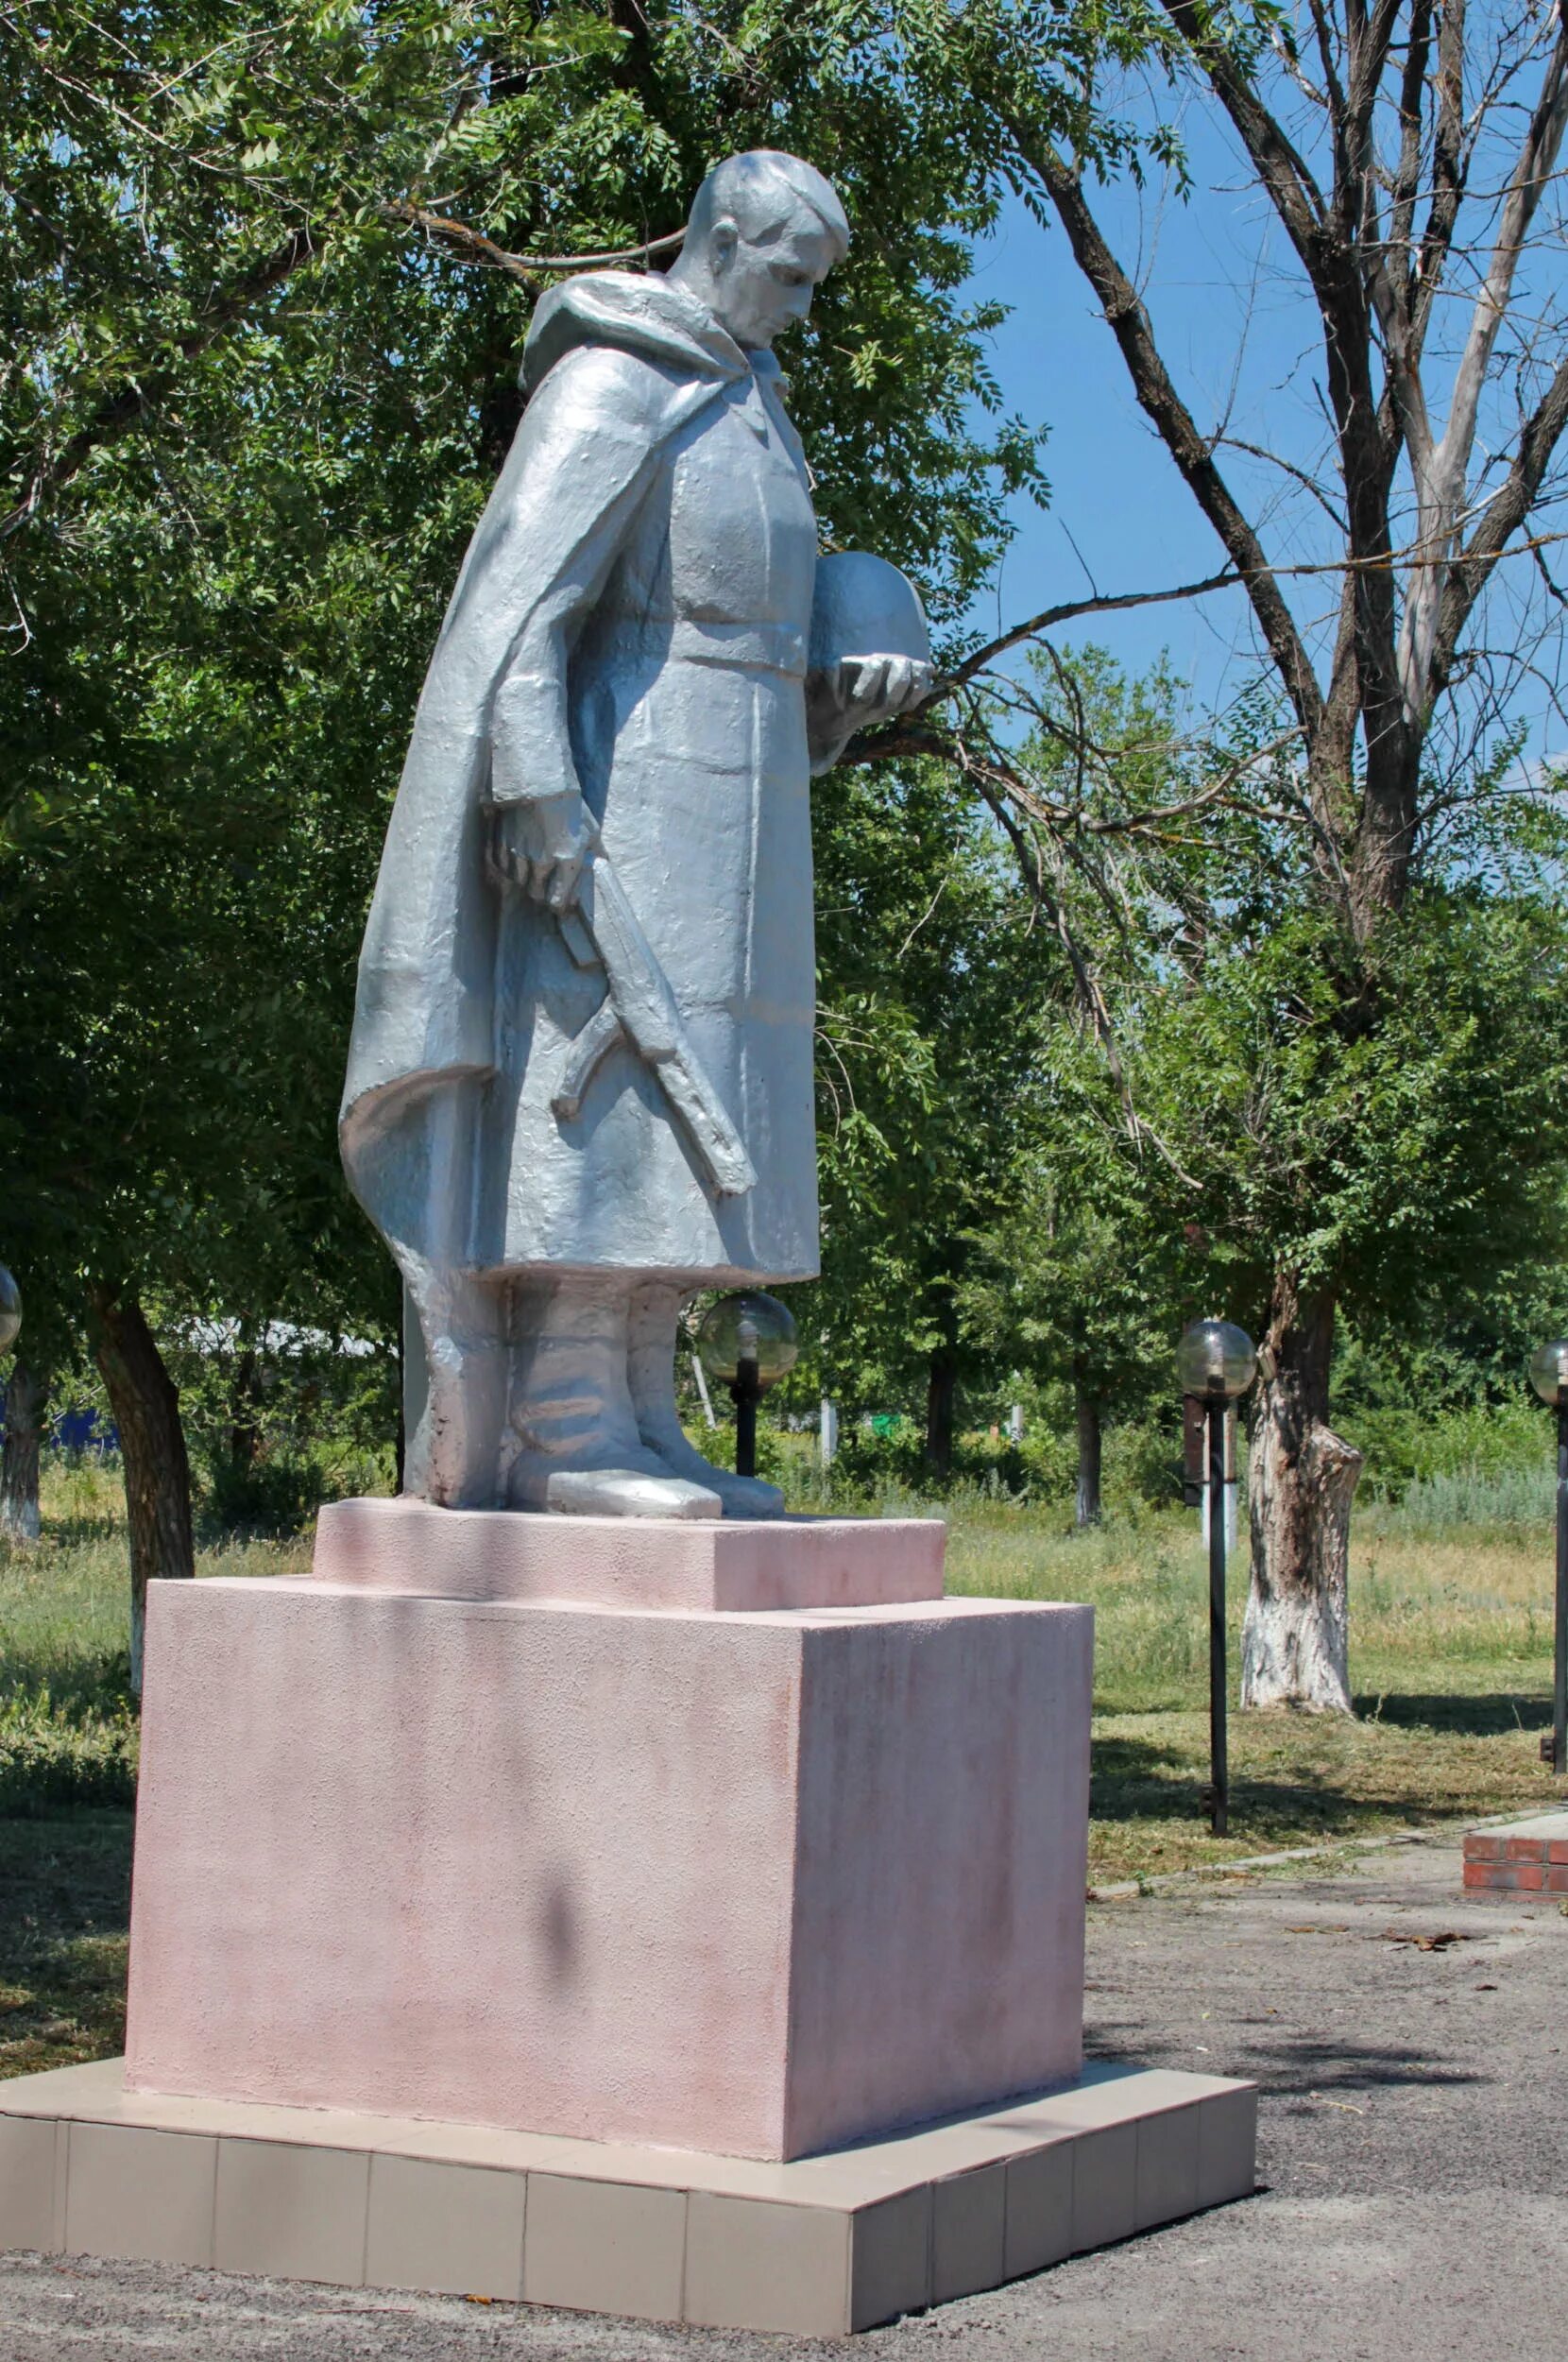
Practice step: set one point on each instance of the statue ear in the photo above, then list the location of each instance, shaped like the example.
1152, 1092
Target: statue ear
724, 238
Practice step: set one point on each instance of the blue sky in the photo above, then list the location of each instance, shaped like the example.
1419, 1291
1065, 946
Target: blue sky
1120, 519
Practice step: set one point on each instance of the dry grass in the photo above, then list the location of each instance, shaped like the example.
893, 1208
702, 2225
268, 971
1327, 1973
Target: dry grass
67, 1731
1452, 1662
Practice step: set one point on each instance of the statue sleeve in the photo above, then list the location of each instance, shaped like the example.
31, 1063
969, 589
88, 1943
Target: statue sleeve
586, 463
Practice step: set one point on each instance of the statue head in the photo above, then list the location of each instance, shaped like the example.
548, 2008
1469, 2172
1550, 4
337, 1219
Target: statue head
766, 231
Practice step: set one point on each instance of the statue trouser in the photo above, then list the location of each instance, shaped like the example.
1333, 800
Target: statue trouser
558, 1393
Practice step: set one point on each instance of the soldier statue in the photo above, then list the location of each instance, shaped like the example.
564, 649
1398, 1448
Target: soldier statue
580, 1083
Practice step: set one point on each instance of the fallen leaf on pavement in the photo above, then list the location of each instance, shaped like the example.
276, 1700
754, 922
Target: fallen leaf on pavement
1427, 1943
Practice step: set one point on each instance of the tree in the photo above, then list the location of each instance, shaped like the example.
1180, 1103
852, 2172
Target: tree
930, 986
1408, 156
39, 1360
1068, 1288
1074, 1281
265, 291
1418, 1159
27, 1398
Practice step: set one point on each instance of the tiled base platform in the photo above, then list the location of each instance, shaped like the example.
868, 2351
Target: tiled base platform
1520, 1857
818, 2247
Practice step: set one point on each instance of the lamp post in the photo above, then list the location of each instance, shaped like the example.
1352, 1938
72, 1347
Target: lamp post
1549, 1376
747, 1341
10, 1311
1216, 1362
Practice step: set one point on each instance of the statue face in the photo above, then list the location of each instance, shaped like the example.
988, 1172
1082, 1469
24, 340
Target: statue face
758, 291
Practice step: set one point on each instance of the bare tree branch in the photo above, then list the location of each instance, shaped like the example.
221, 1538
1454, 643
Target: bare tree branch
1294, 193
1134, 332
1448, 171
1049, 616
1499, 522
472, 246
1441, 474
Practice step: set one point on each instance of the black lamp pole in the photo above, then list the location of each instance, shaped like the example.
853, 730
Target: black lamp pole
746, 1389
1216, 1362
1219, 1781
1559, 1670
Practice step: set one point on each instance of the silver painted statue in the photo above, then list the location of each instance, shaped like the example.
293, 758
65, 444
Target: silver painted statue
580, 1081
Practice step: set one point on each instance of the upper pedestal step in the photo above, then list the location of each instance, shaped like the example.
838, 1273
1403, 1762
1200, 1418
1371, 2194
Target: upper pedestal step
630, 1562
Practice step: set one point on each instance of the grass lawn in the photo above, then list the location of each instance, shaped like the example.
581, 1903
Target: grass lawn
1451, 1639
1451, 1646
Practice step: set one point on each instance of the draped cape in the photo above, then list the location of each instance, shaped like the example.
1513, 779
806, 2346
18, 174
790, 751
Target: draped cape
424, 1009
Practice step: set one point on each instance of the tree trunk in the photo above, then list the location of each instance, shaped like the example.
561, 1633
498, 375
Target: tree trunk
145, 1403
1087, 1510
1301, 1479
25, 1395
940, 1401
245, 1427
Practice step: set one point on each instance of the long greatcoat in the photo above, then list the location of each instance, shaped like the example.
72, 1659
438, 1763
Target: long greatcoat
634, 610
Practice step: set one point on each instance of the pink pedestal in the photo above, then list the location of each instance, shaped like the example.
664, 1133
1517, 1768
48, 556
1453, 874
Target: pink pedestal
755, 1883
630, 1562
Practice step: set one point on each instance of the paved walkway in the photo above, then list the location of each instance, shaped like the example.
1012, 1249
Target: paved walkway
1414, 2153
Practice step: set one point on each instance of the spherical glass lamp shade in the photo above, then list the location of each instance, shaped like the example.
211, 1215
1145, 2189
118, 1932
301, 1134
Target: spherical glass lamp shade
10, 1309
748, 1325
1549, 1371
1215, 1360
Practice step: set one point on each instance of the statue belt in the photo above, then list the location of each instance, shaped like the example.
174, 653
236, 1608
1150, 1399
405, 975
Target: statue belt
750, 647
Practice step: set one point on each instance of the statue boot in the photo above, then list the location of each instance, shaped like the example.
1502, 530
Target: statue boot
458, 1435
651, 1371
577, 1447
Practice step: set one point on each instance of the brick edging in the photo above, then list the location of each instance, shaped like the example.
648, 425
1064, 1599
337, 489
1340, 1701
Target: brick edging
1532, 1861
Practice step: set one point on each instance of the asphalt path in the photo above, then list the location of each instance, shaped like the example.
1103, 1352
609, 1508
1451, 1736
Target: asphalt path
1413, 2169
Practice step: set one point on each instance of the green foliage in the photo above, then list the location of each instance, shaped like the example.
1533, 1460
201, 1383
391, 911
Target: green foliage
280, 1419
932, 988
1489, 1495
53, 1754
1380, 1121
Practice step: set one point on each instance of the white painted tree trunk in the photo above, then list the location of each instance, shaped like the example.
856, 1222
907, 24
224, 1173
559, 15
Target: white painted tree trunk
25, 1399
1302, 1480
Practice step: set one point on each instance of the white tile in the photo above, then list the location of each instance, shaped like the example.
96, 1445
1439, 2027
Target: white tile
141, 2193
28, 2183
890, 2258
455, 2229
1167, 2166
1039, 2209
601, 2247
1104, 2186
1227, 2145
291, 2212
968, 2221
755, 2263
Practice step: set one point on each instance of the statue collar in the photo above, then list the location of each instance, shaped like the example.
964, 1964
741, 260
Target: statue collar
641, 312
